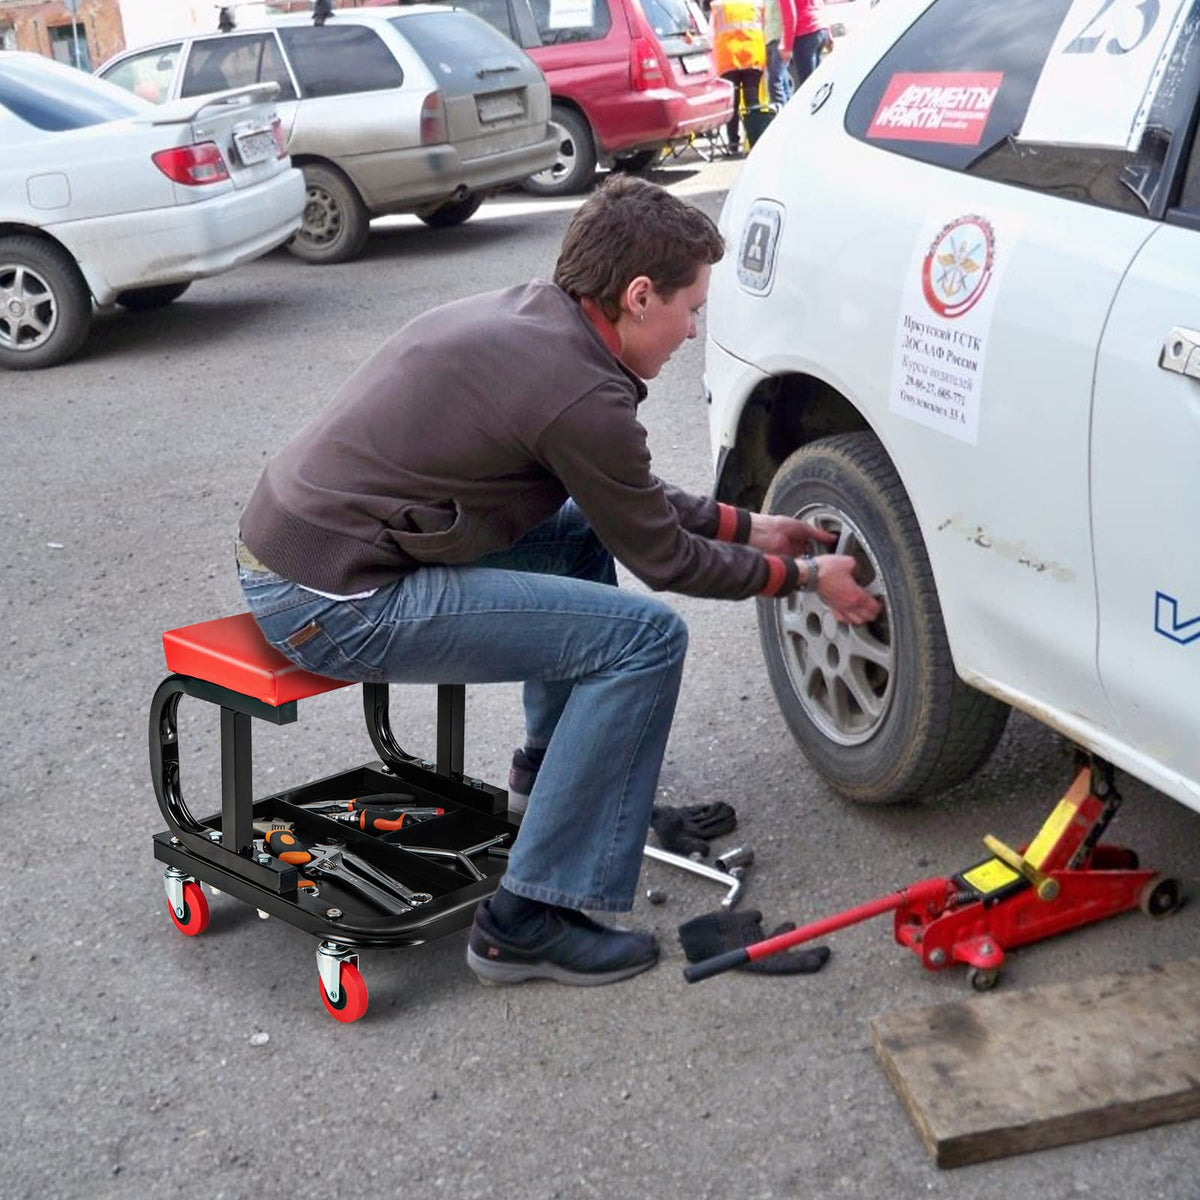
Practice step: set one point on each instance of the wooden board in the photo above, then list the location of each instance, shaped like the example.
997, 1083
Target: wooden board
1013, 1071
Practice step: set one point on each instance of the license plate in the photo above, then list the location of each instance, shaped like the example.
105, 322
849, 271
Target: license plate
255, 146
695, 64
500, 107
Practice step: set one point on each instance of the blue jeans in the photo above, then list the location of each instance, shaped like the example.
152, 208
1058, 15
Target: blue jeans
601, 669
779, 79
806, 55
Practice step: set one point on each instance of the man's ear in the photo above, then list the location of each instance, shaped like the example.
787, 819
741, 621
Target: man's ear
636, 296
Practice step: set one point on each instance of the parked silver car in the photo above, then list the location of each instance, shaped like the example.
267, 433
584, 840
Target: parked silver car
104, 197
417, 109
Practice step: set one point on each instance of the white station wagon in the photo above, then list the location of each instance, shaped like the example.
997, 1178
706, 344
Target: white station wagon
959, 326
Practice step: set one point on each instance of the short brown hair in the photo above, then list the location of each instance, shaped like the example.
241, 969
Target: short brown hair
629, 227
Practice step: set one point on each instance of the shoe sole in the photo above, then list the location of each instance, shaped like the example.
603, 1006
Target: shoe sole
490, 971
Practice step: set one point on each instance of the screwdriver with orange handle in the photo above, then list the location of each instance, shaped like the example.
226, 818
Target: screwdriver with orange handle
390, 800
386, 820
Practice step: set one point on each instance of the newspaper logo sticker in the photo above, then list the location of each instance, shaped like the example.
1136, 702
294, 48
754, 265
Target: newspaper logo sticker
958, 266
937, 106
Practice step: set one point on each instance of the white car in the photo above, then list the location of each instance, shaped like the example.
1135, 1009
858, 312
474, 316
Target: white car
105, 198
958, 324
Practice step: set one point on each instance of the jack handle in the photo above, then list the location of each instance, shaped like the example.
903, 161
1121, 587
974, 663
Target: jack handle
934, 892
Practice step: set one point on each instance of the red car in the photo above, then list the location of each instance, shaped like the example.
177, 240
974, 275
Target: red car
627, 77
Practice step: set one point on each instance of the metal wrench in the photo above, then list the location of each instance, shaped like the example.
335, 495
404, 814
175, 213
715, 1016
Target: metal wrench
332, 866
733, 879
462, 857
356, 867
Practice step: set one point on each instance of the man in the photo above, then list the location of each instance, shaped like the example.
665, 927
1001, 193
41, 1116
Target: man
453, 516
779, 25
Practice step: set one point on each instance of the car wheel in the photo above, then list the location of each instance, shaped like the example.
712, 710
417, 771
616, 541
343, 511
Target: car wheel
336, 222
45, 305
636, 160
147, 298
454, 212
575, 167
877, 709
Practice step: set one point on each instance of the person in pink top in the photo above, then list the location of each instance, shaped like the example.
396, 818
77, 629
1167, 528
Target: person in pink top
809, 37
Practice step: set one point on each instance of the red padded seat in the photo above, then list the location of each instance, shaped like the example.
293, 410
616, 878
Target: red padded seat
232, 653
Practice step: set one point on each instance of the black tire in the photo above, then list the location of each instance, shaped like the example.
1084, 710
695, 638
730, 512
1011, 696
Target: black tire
45, 305
575, 167
148, 298
636, 160
453, 212
336, 222
879, 711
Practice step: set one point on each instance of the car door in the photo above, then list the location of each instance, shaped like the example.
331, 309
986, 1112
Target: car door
1146, 493
1000, 271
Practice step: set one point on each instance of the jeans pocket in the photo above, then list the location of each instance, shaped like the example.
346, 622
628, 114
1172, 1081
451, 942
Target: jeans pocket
312, 648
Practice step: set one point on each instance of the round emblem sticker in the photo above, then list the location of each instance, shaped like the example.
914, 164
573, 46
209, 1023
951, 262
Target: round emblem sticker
958, 266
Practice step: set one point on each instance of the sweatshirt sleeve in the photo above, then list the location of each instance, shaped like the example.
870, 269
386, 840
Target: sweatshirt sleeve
597, 449
708, 517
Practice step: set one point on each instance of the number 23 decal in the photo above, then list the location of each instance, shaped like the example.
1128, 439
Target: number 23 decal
1094, 32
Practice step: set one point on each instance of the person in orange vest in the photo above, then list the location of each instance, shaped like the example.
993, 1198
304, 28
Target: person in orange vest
740, 54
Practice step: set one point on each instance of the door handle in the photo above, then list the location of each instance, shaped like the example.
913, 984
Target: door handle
1181, 352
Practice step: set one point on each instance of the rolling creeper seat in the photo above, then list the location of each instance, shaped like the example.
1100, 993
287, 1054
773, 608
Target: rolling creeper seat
350, 889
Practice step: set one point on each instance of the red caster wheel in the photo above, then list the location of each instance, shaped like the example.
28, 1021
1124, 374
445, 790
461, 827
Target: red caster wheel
195, 911
352, 995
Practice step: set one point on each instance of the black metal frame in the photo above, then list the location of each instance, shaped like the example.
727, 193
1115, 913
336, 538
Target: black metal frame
219, 850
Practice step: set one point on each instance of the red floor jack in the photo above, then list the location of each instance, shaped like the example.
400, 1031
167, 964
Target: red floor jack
1064, 878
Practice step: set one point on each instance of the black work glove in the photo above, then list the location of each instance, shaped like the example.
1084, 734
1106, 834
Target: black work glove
714, 933
689, 829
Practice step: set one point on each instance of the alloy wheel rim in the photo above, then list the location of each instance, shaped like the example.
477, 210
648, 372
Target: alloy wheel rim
28, 308
843, 675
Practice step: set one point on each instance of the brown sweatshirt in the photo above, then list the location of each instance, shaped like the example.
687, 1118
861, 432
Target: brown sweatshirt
466, 429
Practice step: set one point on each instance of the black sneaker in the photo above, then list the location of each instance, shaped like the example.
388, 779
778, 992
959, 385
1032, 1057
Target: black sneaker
566, 946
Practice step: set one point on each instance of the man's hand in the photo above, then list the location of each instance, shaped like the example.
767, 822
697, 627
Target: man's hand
786, 535
839, 589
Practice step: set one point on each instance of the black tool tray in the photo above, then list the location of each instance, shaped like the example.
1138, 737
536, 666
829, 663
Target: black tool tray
339, 914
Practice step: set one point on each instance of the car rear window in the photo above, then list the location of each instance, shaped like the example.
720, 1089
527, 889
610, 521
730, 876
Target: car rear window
560, 21
56, 100
463, 52
216, 64
338, 60
668, 18
979, 63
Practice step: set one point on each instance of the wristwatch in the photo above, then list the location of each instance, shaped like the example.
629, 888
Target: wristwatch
812, 573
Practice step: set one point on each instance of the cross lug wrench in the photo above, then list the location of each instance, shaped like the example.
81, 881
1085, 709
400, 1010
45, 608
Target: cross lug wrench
734, 879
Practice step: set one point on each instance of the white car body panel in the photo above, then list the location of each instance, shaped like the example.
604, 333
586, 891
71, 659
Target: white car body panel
119, 252
1035, 613
123, 220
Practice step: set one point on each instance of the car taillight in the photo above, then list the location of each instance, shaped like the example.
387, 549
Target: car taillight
193, 165
433, 120
278, 135
645, 65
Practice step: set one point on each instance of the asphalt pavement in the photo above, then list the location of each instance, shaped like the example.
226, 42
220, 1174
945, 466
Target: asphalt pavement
142, 1064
